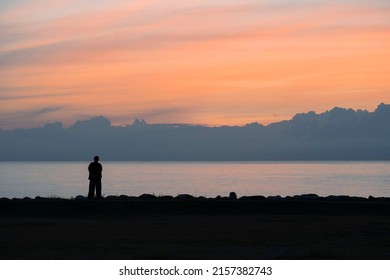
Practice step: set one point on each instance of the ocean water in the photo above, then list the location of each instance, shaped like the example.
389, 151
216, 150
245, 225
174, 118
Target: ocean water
209, 179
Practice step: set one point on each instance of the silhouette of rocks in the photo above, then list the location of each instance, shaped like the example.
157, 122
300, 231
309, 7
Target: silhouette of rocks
224, 198
166, 197
309, 196
112, 197
233, 195
275, 197
185, 197
253, 197
125, 197
121, 197
379, 198
41, 198
343, 198
147, 196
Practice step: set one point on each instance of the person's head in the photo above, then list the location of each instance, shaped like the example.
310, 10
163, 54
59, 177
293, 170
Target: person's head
96, 158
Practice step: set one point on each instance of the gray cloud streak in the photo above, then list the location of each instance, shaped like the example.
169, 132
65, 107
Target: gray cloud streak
15, 97
32, 113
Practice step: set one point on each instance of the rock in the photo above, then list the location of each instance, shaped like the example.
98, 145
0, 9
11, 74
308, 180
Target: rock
111, 197
166, 197
147, 196
222, 198
275, 198
309, 196
80, 197
379, 198
343, 198
124, 197
253, 197
358, 198
232, 195
185, 196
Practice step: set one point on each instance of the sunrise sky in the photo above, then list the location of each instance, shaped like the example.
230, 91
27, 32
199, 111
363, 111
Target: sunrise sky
202, 62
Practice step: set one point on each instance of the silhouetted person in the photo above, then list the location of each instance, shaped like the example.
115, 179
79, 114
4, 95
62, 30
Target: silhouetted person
95, 178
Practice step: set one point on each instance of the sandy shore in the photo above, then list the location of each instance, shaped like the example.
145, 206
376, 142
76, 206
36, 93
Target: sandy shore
194, 229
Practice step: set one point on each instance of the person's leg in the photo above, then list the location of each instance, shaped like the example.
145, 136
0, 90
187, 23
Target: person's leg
91, 191
99, 188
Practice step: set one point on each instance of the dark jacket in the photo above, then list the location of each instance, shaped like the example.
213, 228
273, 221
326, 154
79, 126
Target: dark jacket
95, 171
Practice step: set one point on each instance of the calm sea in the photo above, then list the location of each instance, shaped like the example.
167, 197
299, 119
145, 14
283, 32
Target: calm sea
69, 179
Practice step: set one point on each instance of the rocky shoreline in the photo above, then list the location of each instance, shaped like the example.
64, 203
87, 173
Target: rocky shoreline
184, 204
185, 227
232, 196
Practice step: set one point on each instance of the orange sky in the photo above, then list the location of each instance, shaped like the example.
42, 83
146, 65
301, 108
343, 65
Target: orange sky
205, 62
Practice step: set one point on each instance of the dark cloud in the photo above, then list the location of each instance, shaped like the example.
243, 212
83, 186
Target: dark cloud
48, 110
31, 113
337, 134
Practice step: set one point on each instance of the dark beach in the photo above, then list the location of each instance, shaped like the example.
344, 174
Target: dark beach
149, 227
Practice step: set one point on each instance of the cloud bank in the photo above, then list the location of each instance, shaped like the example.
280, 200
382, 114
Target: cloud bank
337, 134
